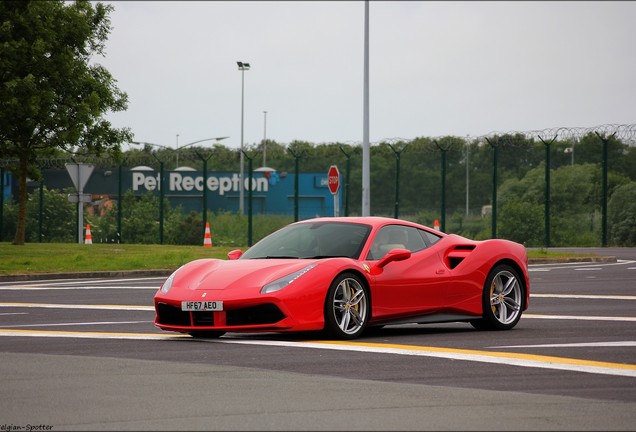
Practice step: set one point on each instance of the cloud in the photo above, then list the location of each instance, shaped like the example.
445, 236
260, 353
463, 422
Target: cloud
436, 68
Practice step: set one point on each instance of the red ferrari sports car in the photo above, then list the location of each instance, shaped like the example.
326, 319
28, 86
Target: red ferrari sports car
344, 275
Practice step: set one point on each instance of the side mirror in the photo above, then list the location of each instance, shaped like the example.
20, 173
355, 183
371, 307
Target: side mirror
397, 254
234, 254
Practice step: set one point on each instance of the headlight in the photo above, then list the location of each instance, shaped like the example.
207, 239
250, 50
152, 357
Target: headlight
285, 280
168, 283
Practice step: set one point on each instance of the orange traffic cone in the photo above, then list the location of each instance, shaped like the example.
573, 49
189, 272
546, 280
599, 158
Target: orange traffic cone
436, 225
89, 238
207, 239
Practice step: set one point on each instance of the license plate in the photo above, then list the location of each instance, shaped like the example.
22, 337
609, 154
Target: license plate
202, 306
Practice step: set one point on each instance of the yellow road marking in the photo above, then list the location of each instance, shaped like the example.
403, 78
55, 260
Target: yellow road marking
507, 355
507, 358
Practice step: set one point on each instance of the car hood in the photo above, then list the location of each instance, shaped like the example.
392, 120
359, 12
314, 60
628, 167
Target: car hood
216, 274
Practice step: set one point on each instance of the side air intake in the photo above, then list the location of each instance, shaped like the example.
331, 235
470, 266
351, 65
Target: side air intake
455, 256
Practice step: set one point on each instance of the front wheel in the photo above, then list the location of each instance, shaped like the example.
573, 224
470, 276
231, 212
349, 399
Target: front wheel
502, 300
347, 307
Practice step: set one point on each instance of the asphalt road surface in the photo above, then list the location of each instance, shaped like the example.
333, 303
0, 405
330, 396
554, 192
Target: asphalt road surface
83, 354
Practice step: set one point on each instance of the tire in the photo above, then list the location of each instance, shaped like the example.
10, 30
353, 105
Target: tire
502, 300
347, 307
207, 334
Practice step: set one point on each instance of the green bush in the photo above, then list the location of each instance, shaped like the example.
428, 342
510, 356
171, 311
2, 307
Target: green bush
621, 215
522, 222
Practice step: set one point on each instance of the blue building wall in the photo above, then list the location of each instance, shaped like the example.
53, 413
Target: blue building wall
7, 185
272, 192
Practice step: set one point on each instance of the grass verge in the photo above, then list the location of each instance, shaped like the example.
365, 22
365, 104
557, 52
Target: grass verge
34, 258
66, 257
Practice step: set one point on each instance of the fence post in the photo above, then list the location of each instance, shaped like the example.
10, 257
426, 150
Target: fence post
495, 147
604, 189
547, 190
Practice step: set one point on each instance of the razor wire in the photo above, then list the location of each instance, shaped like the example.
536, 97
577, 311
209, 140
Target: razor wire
626, 133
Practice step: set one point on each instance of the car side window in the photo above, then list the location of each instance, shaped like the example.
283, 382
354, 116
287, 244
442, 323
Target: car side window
430, 238
393, 237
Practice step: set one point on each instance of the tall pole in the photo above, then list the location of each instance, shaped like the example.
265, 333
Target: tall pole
366, 183
264, 137
346, 184
242, 67
241, 192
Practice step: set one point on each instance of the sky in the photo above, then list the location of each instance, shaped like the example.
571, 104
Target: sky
436, 68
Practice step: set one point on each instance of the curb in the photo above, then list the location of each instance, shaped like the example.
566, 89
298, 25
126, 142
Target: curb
167, 272
599, 259
80, 275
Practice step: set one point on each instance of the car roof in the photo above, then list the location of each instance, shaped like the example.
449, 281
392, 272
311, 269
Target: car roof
374, 221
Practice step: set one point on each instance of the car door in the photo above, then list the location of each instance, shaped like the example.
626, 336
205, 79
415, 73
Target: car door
415, 286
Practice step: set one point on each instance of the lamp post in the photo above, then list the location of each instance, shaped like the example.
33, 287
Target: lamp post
178, 147
242, 67
197, 142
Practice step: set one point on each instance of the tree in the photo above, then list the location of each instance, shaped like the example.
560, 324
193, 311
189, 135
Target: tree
622, 215
52, 96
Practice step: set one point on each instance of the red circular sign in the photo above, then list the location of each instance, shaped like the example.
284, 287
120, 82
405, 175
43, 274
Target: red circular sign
333, 179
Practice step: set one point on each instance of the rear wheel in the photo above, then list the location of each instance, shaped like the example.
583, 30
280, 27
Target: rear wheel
347, 307
502, 299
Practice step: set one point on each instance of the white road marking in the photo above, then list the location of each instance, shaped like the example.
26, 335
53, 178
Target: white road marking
580, 318
91, 280
512, 359
46, 288
575, 265
585, 296
151, 308
574, 345
515, 359
76, 324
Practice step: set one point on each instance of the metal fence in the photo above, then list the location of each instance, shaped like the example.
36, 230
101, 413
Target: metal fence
448, 179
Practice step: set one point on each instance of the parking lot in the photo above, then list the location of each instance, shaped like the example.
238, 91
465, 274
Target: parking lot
84, 353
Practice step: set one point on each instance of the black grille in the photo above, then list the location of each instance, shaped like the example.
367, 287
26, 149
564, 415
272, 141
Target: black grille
203, 318
261, 314
171, 315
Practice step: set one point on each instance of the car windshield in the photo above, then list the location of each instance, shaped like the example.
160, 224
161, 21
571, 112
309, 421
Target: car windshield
312, 240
